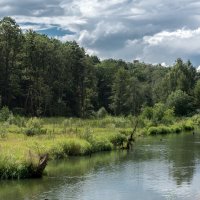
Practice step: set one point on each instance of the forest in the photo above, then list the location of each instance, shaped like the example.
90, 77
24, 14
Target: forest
42, 76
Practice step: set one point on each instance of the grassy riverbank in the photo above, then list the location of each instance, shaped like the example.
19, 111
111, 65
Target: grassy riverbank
23, 140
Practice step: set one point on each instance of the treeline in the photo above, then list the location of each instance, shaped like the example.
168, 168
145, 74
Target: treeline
41, 76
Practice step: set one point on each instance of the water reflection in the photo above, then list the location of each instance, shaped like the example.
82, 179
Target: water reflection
59, 173
155, 169
182, 152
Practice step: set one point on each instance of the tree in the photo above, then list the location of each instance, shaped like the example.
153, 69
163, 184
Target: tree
181, 77
119, 91
89, 91
82, 80
44, 76
134, 97
197, 93
105, 74
182, 103
10, 47
37, 54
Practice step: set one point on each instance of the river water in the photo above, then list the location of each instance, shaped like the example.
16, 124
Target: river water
156, 168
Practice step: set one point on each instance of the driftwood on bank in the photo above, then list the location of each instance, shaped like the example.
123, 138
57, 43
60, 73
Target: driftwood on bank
38, 168
42, 164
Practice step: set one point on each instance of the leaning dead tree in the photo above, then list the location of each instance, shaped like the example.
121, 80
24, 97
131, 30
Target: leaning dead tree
130, 138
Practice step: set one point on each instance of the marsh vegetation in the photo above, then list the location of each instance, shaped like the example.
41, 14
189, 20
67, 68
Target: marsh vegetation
24, 140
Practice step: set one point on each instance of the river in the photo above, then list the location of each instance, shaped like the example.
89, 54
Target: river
156, 168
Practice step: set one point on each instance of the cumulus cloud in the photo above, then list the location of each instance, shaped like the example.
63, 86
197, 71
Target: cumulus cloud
153, 31
180, 43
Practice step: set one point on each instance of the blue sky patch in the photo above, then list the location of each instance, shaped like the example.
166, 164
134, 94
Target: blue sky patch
56, 31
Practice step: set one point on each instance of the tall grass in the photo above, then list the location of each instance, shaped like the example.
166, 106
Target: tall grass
186, 125
23, 140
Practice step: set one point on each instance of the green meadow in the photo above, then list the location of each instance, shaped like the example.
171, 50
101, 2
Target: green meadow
24, 140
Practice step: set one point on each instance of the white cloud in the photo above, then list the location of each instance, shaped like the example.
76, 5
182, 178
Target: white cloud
180, 43
71, 22
164, 64
153, 30
180, 34
198, 68
103, 29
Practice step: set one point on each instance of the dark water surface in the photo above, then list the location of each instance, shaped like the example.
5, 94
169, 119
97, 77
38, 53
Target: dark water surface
167, 168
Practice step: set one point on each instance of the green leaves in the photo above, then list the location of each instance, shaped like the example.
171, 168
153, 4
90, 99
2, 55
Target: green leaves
42, 76
182, 103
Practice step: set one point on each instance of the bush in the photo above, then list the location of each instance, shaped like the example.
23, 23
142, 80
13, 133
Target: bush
196, 119
34, 127
168, 117
17, 120
188, 126
176, 128
157, 114
118, 139
3, 130
100, 143
182, 103
76, 147
4, 114
147, 113
102, 112
159, 130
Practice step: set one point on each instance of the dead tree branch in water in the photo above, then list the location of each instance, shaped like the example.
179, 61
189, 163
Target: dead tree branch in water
130, 138
38, 163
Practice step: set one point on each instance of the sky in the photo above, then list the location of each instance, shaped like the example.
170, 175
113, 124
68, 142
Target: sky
153, 31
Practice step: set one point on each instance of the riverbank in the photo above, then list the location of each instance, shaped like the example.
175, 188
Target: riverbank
23, 141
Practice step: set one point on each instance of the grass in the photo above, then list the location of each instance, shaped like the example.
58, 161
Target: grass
185, 125
21, 145
23, 140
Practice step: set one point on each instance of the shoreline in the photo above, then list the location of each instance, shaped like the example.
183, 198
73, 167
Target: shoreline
21, 153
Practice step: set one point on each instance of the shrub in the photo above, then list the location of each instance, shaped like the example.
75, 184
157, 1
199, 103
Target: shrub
118, 139
18, 121
176, 128
3, 130
4, 114
75, 147
159, 130
100, 143
147, 113
196, 119
188, 126
34, 127
102, 112
157, 114
182, 103
168, 117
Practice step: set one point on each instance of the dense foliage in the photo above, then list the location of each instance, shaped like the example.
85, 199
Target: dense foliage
41, 76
